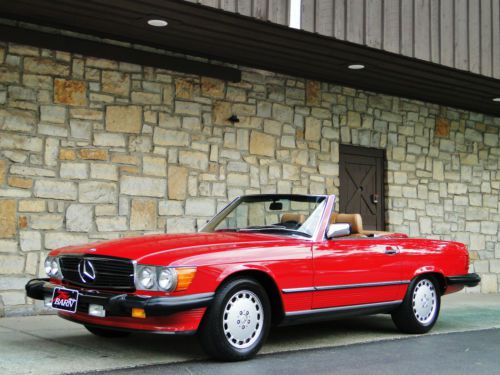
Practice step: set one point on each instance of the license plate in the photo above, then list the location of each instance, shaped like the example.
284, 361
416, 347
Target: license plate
65, 299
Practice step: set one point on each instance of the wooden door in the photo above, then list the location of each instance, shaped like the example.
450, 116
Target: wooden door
362, 184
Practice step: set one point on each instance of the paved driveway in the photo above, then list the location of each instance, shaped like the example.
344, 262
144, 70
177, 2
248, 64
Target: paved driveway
48, 344
474, 352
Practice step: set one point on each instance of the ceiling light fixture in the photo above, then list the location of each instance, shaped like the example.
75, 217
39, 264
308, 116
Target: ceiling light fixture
496, 99
157, 22
356, 66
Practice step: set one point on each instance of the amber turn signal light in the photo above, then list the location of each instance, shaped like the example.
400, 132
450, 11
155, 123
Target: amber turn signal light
138, 313
184, 278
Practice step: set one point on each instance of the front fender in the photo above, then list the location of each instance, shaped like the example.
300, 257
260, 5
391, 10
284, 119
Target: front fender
238, 268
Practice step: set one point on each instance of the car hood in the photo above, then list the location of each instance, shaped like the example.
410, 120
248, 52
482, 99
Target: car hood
167, 248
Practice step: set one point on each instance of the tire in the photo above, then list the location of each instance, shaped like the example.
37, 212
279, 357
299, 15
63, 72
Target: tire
237, 323
420, 309
106, 332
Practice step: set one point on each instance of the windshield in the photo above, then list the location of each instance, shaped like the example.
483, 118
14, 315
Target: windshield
289, 215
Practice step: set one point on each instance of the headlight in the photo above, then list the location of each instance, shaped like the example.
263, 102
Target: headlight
147, 277
48, 267
167, 279
52, 268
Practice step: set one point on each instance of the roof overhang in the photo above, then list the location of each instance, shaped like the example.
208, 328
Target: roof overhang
203, 31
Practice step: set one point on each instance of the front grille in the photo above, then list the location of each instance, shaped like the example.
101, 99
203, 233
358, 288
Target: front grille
110, 273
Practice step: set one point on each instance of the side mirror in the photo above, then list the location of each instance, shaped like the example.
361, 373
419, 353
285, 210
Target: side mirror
338, 230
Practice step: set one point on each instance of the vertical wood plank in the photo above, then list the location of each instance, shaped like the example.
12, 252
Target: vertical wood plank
391, 26
228, 5
495, 16
461, 40
324, 17
307, 15
355, 21
278, 11
244, 7
210, 3
434, 37
260, 9
373, 17
407, 23
474, 37
422, 30
447, 54
486, 48
339, 19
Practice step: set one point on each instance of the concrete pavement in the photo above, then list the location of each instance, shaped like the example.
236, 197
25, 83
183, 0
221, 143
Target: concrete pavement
474, 352
50, 345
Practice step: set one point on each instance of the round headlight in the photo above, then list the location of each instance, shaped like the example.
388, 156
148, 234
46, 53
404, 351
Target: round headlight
167, 279
54, 268
48, 266
146, 277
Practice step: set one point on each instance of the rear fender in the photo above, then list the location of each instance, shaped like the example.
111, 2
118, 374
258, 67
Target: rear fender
436, 271
427, 269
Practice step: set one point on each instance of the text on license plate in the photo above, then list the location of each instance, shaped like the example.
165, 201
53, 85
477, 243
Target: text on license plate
65, 299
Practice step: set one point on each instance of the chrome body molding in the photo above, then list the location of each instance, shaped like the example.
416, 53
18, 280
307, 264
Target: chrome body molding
298, 290
345, 286
340, 309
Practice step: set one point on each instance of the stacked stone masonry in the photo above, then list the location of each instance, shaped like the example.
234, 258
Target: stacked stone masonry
94, 149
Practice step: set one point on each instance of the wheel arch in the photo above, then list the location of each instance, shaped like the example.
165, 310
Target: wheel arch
436, 274
263, 277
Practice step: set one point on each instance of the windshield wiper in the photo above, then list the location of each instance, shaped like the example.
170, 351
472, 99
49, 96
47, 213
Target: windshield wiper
270, 228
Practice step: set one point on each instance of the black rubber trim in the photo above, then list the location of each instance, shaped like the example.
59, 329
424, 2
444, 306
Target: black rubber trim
35, 288
306, 316
122, 304
471, 279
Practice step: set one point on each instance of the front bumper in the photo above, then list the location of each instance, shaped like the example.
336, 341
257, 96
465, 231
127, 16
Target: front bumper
471, 280
122, 304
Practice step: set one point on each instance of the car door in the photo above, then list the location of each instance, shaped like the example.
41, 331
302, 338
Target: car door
356, 271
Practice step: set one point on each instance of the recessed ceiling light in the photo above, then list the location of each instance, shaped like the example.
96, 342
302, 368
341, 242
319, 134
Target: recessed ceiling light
157, 22
356, 66
496, 99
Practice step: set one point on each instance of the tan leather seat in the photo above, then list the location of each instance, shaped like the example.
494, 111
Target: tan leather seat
356, 223
290, 217
354, 220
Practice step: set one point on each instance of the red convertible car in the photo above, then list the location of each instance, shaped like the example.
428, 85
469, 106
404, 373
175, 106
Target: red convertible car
263, 260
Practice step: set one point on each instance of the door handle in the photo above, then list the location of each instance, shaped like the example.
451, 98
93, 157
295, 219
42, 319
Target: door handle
375, 198
391, 250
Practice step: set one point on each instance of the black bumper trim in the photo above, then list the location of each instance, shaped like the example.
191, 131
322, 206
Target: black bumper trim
122, 304
471, 279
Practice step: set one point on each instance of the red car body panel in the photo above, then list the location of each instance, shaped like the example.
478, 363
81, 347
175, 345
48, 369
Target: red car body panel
187, 321
308, 274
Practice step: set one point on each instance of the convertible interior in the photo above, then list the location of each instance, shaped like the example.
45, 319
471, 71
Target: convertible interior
356, 225
293, 220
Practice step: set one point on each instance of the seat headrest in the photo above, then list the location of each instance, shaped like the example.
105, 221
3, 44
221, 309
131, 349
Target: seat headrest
291, 217
354, 220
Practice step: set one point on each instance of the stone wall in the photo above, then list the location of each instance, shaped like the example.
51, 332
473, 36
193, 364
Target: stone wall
93, 149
